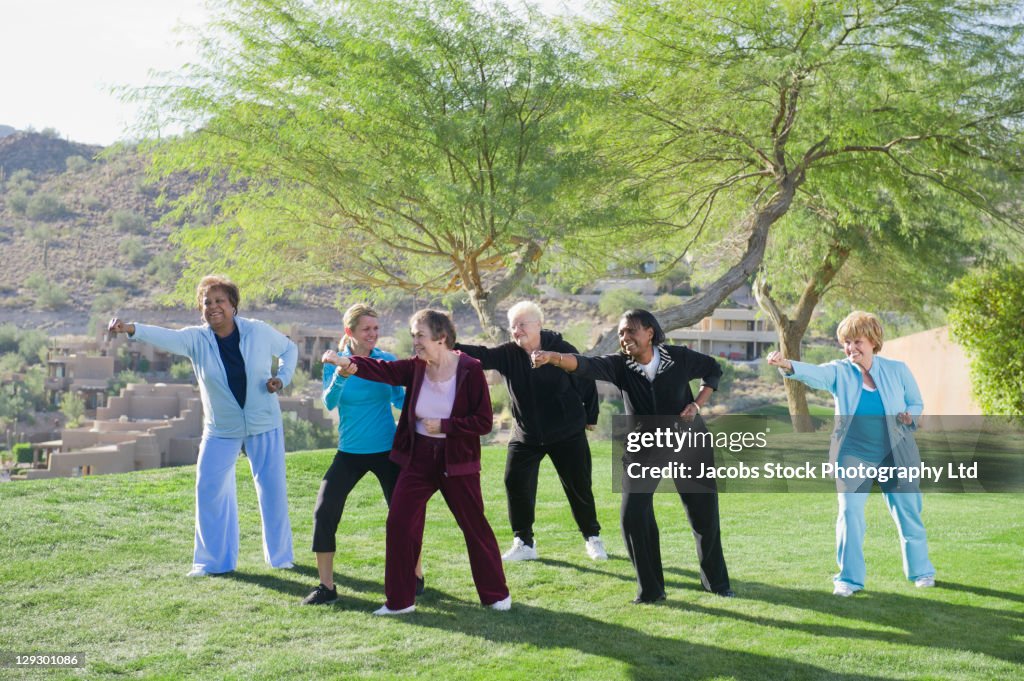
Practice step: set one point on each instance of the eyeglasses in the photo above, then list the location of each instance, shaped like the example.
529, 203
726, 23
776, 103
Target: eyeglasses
523, 325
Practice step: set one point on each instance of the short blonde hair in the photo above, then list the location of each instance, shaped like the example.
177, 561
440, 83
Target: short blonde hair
526, 306
859, 323
213, 281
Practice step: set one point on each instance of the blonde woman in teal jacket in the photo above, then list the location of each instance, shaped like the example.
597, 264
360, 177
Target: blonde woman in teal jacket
232, 358
877, 407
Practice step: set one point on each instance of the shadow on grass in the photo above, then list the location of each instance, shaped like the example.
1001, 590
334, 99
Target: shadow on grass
914, 620
646, 656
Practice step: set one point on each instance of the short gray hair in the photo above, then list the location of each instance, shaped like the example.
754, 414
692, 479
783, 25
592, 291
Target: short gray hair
526, 306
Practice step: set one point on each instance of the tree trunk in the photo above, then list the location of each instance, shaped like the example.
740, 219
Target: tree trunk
791, 330
703, 304
485, 300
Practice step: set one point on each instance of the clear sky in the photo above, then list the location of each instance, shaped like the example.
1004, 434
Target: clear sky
59, 59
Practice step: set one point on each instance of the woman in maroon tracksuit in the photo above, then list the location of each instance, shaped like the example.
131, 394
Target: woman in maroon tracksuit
437, 445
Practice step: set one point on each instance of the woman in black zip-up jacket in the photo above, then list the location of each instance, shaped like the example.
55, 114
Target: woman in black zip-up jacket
552, 409
655, 380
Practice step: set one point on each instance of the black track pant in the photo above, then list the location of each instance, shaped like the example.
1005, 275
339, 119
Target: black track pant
346, 470
640, 532
571, 458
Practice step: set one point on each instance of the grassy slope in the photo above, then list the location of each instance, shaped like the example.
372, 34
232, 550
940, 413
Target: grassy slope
96, 565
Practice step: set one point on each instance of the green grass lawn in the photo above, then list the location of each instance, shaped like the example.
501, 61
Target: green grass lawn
97, 565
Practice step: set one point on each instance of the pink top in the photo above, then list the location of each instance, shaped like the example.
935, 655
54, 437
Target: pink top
434, 402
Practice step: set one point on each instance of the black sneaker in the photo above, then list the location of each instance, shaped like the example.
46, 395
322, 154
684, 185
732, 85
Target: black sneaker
321, 595
421, 585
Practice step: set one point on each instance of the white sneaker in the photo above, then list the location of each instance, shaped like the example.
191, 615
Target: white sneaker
385, 610
924, 582
595, 549
198, 571
843, 589
520, 551
504, 604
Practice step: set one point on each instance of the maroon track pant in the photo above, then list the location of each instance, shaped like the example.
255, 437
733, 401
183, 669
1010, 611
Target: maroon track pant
416, 484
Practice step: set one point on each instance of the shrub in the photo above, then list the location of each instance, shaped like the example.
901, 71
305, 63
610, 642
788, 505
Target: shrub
22, 452
106, 303
17, 201
606, 411
76, 164
130, 221
133, 250
53, 297
73, 407
92, 202
667, 300
45, 207
123, 378
107, 277
181, 370
164, 268
613, 303
300, 434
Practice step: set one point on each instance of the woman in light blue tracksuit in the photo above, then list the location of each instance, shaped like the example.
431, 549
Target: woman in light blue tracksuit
232, 358
877, 402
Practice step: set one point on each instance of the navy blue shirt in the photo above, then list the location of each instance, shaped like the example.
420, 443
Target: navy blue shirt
234, 365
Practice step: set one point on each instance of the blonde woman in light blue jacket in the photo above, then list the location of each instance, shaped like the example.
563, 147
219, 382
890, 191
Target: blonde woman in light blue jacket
232, 358
877, 405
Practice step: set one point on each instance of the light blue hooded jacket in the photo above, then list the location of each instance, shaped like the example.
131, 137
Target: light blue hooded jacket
896, 386
259, 343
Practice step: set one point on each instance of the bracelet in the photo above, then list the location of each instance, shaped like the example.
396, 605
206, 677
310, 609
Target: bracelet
559, 364
696, 405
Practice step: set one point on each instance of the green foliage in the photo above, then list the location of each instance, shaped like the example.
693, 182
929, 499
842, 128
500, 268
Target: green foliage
22, 452
164, 268
667, 300
606, 411
577, 334
52, 297
107, 303
116, 384
107, 277
72, 405
92, 202
181, 370
133, 250
500, 400
129, 221
300, 435
21, 179
17, 201
985, 319
25, 343
76, 164
417, 145
616, 301
45, 206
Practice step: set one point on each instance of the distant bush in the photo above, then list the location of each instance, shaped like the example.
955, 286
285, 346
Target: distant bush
667, 300
21, 179
613, 303
53, 297
121, 380
92, 202
25, 345
181, 370
164, 268
36, 281
107, 277
17, 201
22, 452
73, 407
300, 434
133, 250
45, 207
130, 221
76, 164
51, 132
606, 411
106, 303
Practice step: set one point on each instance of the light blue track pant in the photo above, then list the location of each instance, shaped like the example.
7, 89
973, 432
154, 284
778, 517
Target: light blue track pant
216, 541
905, 508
